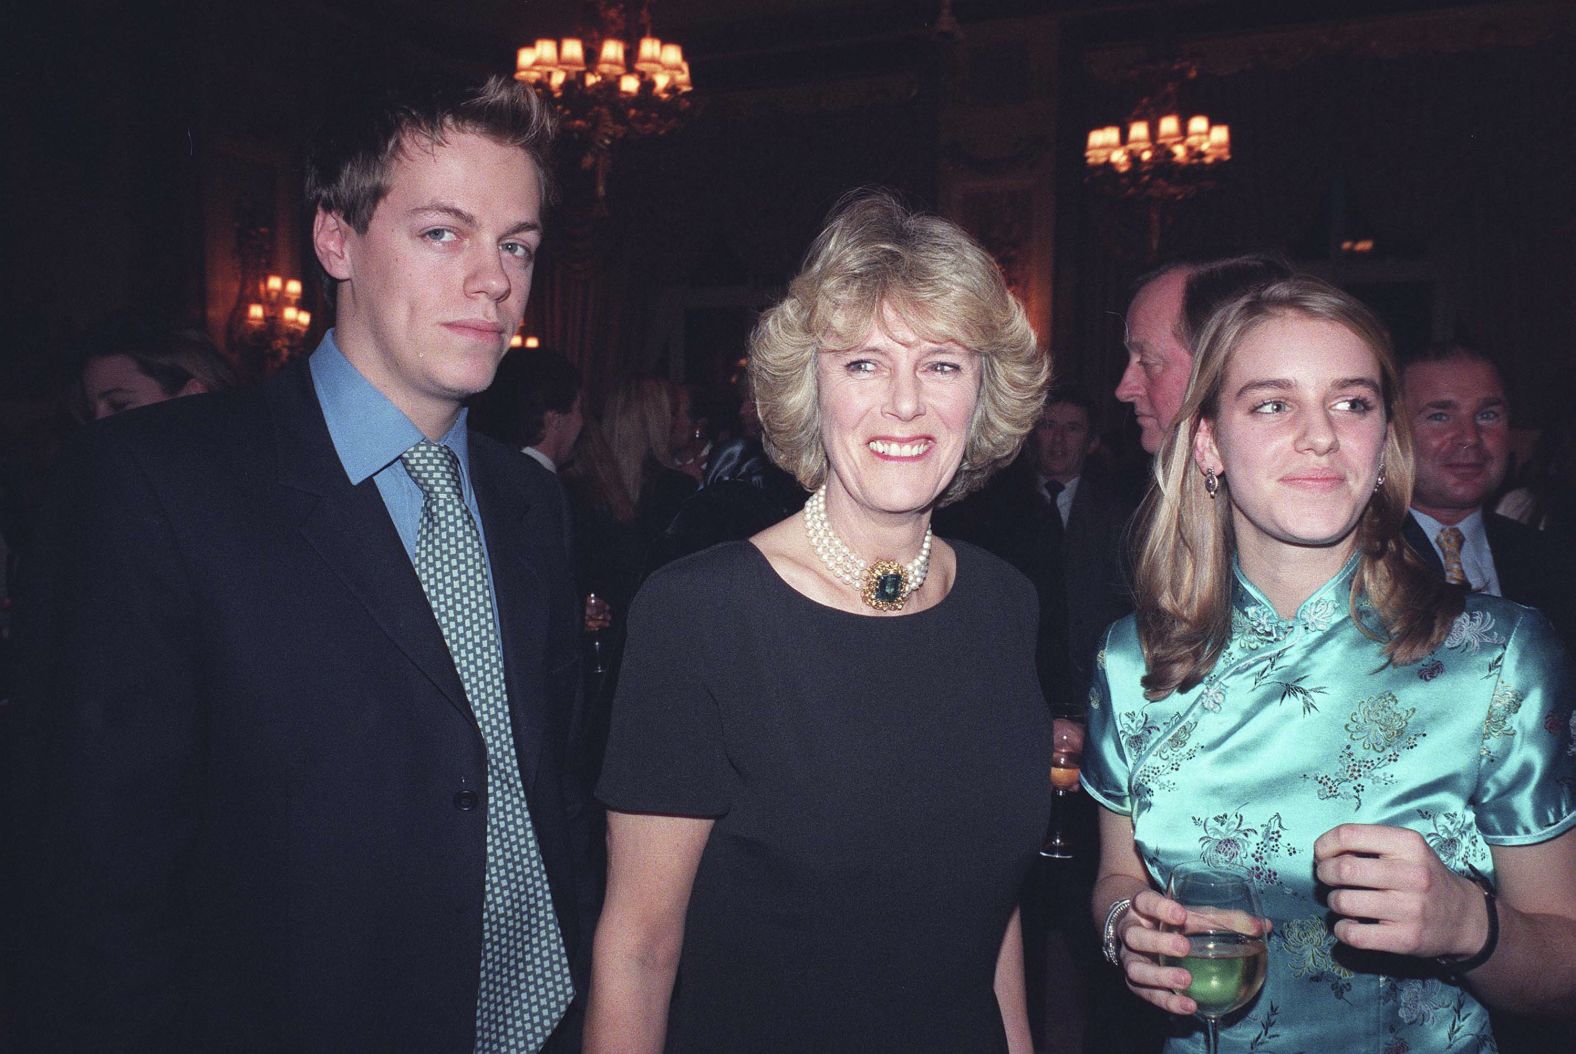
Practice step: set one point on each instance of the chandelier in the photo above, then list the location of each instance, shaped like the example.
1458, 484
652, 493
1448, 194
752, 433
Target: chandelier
1163, 160
602, 100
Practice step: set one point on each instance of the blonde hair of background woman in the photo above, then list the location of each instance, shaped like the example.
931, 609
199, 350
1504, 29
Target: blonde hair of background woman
637, 422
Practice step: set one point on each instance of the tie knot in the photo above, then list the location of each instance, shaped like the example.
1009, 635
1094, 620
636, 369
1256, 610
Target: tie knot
434, 468
1052, 488
1451, 538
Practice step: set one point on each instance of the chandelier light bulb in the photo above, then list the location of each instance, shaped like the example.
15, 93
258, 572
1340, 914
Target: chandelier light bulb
572, 55
649, 57
611, 63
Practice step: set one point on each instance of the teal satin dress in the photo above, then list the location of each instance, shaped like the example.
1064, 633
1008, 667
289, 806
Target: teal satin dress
1300, 727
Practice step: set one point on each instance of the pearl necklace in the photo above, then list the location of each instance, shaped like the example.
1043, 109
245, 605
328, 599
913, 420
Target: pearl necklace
884, 585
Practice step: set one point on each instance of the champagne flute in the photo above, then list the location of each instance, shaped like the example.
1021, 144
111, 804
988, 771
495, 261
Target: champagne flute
1226, 929
1066, 760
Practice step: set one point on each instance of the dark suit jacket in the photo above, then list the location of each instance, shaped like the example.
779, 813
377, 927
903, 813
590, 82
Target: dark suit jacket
1008, 519
1097, 589
247, 800
1532, 568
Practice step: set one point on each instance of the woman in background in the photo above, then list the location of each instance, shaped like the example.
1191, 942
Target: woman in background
133, 364
646, 422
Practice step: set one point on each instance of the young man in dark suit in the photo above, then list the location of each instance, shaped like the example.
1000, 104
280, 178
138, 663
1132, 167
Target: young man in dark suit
301, 662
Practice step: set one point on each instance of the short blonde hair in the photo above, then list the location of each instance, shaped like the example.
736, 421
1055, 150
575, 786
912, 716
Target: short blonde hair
1186, 540
875, 256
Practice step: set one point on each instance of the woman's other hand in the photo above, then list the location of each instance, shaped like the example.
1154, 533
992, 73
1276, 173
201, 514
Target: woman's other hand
1394, 894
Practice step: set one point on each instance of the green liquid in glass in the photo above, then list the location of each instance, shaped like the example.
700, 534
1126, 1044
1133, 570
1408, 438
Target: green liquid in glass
1227, 968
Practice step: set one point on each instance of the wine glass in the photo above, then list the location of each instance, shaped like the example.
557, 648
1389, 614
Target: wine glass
1226, 929
1066, 760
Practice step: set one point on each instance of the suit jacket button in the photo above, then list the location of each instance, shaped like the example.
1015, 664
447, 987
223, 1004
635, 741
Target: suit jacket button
466, 800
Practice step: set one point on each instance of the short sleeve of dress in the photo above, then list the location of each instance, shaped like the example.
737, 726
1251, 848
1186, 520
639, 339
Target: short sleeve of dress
665, 751
1106, 767
1526, 768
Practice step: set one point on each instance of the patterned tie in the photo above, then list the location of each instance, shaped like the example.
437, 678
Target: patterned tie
1450, 540
525, 982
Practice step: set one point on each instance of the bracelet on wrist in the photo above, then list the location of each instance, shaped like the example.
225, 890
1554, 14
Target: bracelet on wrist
1109, 941
1457, 967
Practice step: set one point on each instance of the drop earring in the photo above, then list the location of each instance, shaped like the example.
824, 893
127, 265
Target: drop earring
1211, 483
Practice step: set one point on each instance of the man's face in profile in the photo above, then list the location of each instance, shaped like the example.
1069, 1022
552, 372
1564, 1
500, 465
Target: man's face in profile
1158, 366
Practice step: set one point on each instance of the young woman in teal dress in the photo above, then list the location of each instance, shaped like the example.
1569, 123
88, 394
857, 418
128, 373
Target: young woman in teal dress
1298, 699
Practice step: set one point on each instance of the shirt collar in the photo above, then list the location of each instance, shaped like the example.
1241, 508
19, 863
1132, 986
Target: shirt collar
1471, 528
368, 431
1319, 612
540, 458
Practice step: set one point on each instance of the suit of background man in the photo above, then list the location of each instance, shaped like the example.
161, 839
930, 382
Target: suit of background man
1455, 400
255, 801
1093, 515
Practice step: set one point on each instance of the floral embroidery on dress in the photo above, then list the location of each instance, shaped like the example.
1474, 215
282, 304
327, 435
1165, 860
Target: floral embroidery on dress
1307, 946
1229, 842
1431, 669
1378, 722
1169, 757
1471, 630
1504, 705
1379, 725
1444, 1009
1319, 615
1213, 697
1263, 627
1135, 730
1422, 1000
1454, 839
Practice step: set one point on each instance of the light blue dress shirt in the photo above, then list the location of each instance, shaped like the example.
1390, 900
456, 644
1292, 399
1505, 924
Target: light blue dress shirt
370, 433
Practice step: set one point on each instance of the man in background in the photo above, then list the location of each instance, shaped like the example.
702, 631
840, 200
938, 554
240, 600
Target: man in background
534, 405
1165, 320
1455, 400
1093, 514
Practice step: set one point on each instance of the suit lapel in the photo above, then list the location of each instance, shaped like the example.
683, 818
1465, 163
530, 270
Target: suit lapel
350, 528
522, 604
1417, 538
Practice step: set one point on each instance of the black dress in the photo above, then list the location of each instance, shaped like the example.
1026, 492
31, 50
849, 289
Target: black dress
880, 788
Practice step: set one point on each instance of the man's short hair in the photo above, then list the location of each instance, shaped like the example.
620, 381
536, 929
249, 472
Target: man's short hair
529, 383
347, 167
1448, 351
1072, 395
1213, 284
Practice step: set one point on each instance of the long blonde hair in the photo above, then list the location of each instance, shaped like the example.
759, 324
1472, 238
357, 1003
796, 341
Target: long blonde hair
1186, 543
638, 423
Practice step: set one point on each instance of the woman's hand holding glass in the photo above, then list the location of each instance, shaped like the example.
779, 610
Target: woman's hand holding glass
1143, 942
1394, 894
